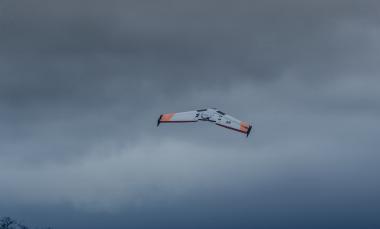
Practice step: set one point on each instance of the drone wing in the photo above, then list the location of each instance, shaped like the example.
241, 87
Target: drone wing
188, 116
232, 123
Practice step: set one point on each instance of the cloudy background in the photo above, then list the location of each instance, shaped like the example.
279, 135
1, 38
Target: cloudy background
83, 82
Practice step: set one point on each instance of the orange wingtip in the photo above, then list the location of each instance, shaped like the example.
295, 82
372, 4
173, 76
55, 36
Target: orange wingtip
166, 117
244, 127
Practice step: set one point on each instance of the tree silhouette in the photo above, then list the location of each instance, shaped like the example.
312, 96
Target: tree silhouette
9, 223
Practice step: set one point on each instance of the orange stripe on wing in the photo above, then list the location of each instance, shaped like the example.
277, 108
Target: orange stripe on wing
167, 117
244, 127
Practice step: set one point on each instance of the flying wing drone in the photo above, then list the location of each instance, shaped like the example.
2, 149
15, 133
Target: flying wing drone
211, 115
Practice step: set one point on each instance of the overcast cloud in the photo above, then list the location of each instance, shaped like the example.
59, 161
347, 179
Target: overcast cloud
82, 84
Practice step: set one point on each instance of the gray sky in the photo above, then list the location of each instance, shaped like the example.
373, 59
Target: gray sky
82, 84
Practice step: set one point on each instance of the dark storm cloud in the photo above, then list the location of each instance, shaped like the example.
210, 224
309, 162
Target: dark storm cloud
83, 82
